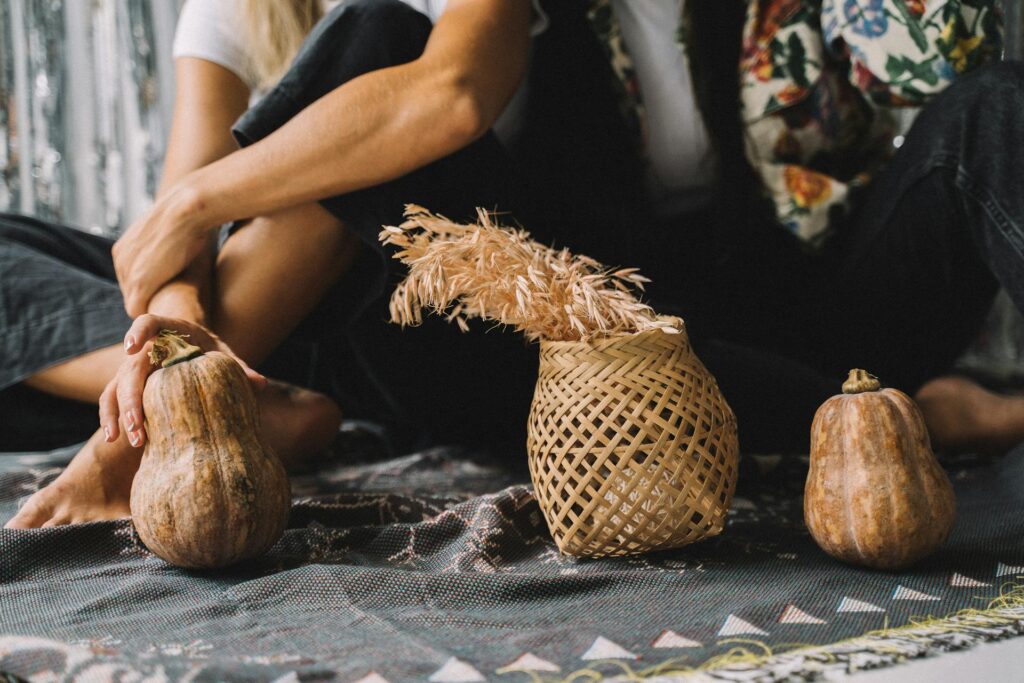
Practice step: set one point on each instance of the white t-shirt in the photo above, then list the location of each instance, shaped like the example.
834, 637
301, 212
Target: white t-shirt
209, 29
682, 162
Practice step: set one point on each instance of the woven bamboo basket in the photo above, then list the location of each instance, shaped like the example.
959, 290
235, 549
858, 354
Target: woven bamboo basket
632, 447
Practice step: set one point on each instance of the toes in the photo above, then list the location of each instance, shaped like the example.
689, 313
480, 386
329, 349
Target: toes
32, 516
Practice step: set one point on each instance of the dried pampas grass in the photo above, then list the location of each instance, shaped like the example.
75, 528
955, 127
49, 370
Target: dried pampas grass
500, 274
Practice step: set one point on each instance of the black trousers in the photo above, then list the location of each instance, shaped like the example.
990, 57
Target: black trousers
901, 291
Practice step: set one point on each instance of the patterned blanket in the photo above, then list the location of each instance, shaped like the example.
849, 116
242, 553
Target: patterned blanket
437, 566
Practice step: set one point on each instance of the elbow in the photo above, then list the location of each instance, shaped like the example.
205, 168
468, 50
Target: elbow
470, 111
466, 119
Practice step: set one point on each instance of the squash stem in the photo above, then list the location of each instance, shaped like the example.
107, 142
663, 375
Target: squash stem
169, 348
860, 381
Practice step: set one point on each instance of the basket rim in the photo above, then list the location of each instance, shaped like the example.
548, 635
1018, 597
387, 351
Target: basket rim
610, 339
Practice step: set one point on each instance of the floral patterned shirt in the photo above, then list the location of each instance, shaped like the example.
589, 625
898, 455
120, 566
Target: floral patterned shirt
821, 84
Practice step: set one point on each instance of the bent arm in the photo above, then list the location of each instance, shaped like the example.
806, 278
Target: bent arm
397, 120
208, 99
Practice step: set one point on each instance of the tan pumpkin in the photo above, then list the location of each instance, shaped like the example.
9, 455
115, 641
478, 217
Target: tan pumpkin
875, 494
209, 491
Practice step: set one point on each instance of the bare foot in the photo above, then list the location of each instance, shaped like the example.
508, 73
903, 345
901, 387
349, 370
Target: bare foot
962, 416
297, 423
96, 485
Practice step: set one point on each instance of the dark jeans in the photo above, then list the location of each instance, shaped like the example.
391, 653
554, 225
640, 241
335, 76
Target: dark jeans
900, 292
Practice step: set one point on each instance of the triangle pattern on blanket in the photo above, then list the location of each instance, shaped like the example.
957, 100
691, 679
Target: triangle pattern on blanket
961, 581
672, 639
456, 671
529, 662
372, 677
1008, 570
794, 615
603, 648
851, 605
735, 626
904, 593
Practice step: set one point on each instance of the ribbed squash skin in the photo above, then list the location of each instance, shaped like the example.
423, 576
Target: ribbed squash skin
875, 494
209, 492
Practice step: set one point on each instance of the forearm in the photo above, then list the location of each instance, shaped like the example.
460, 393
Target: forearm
189, 296
396, 121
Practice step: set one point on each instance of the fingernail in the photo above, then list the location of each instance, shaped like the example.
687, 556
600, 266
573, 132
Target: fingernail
130, 419
106, 433
129, 342
135, 437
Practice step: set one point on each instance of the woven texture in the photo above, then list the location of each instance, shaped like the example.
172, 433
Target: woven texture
437, 567
632, 446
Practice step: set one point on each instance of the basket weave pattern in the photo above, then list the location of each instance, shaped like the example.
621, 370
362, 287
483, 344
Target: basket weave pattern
632, 447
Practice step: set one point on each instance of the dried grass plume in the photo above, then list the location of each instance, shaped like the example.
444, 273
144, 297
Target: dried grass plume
500, 274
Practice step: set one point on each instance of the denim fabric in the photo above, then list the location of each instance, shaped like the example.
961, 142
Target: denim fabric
58, 300
938, 232
50, 312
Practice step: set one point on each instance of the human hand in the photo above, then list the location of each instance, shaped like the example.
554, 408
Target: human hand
159, 246
121, 401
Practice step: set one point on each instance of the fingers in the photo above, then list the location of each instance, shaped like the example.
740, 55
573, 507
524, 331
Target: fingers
135, 300
131, 380
145, 327
109, 412
136, 291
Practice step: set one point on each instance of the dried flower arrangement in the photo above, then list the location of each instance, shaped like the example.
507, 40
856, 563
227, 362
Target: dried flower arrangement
498, 273
631, 445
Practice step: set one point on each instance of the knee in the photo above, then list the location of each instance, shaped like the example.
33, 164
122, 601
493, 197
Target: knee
388, 26
356, 37
24, 230
382, 14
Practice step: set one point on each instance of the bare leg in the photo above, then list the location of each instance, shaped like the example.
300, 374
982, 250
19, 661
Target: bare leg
963, 416
269, 276
272, 273
82, 378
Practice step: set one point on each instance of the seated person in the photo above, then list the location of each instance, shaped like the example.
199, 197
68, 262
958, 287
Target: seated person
771, 208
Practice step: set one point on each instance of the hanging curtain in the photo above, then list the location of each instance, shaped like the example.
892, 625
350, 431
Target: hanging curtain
85, 102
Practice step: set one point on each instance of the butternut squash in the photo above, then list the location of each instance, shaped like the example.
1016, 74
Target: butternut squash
875, 494
209, 491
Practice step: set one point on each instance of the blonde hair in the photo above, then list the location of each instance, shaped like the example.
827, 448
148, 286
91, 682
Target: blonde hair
276, 29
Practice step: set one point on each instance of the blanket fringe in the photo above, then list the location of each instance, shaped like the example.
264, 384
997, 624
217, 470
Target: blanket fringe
755, 661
